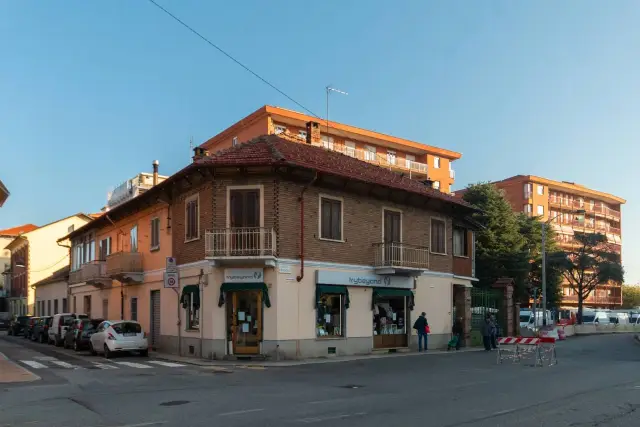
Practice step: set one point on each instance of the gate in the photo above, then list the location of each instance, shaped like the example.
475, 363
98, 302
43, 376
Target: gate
486, 302
155, 319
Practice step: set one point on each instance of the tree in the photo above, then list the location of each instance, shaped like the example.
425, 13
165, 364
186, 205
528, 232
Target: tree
500, 247
630, 296
592, 263
531, 229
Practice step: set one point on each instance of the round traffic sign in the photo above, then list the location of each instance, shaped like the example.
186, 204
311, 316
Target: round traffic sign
171, 281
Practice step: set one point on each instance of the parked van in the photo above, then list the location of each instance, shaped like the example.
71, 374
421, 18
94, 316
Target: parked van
59, 326
595, 318
619, 317
527, 319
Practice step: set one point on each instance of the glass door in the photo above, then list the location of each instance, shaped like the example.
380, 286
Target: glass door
245, 321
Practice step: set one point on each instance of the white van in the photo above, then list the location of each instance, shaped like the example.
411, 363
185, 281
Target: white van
527, 320
59, 326
597, 317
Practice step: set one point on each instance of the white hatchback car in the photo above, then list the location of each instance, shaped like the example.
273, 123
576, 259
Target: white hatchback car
119, 336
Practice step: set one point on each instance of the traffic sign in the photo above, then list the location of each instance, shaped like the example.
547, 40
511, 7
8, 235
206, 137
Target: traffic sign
171, 265
171, 280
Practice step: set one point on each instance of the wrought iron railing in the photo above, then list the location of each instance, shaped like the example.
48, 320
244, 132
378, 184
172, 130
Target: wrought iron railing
240, 242
397, 254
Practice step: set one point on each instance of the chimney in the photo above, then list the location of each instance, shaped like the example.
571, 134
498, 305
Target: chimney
313, 133
155, 172
199, 153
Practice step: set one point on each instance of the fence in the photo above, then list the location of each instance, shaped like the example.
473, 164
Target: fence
486, 302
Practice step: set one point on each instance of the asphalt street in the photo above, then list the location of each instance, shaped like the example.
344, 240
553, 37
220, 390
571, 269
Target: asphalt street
596, 383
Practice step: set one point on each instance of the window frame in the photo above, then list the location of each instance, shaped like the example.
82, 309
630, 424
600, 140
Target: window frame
106, 252
465, 242
133, 243
187, 237
436, 162
431, 249
540, 190
192, 315
436, 185
154, 223
131, 310
320, 216
538, 209
343, 318
278, 129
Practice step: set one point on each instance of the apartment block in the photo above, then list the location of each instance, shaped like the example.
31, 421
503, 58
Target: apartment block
408, 158
288, 250
558, 203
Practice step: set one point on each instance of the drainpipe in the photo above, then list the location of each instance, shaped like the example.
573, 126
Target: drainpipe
200, 311
301, 200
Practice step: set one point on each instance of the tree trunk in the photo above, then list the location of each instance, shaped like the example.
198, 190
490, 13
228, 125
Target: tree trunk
580, 304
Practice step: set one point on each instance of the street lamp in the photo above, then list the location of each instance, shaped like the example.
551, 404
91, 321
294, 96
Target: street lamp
544, 261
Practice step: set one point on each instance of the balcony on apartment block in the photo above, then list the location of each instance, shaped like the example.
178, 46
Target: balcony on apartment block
593, 300
597, 209
93, 273
125, 267
400, 258
241, 245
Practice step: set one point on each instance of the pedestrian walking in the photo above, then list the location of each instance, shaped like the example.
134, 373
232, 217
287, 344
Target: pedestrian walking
457, 330
422, 328
486, 333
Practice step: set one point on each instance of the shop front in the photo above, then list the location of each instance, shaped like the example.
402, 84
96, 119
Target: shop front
389, 307
244, 295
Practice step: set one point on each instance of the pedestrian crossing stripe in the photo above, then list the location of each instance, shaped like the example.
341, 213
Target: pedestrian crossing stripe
113, 365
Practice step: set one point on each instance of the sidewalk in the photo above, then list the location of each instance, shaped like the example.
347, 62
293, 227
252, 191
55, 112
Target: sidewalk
261, 364
12, 373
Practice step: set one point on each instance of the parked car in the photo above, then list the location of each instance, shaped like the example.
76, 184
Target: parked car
5, 320
17, 325
78, 335
41, 328
119, 336
28, 330
60, 324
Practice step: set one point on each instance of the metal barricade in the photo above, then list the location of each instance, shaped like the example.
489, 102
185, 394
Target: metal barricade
515, 348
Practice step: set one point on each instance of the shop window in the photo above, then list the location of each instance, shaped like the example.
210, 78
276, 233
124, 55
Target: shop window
331, 314
460, 246
191, 304
330, 218
438, 236
390, 307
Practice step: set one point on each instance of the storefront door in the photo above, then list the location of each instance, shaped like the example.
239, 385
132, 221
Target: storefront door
390, 322
244, 321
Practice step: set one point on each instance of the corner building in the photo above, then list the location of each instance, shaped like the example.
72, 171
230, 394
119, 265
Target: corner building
288, 250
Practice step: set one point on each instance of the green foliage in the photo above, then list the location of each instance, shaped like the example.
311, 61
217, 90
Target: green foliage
510, 245
630, 296
592, 263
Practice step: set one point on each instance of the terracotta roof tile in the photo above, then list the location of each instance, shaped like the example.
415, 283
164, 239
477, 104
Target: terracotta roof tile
273, 150
16, 231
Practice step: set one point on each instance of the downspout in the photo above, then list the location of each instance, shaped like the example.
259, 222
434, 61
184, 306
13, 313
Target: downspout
200, 311
301, 200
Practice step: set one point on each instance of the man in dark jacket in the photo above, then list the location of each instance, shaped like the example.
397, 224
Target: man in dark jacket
458, 331
420, 326
487, 328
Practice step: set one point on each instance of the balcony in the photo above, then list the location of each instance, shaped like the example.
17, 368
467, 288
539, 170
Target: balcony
380, 159
400, 258
125, 267
593, 300
228, 246
452, 174
93, 273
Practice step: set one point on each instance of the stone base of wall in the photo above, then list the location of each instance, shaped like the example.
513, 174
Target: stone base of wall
434, 342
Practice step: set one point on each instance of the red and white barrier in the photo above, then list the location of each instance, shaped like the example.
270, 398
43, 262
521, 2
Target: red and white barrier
519, 346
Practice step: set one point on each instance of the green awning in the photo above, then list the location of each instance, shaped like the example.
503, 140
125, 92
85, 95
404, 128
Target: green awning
391, 292
332, 289
237, 287
190, 290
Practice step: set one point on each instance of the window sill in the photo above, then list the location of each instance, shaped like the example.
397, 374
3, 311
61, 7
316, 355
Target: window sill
192, 330
438, 253
462, 256
154, 249
331, 240
191, 240
330, 338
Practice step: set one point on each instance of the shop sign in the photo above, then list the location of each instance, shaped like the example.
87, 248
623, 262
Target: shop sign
325, 277
243, 275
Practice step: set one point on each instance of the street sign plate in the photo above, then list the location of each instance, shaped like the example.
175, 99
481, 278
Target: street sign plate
171, 265
171, 280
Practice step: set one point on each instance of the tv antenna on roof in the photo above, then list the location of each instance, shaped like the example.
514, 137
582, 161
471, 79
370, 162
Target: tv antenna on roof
329, 90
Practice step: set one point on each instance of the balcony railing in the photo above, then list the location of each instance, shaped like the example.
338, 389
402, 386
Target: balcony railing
90, 271
119, 263
240, 242
585, 205
401, 255
380, 159
593, 299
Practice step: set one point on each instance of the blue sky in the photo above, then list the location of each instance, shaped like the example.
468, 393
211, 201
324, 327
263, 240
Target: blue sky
92, 92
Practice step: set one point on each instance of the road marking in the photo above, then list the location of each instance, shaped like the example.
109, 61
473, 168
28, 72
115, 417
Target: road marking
45, 358
246, 411
133, 365
167, 364
34, 364
335, 417
318, 402
152, 423
63, 364
103, 366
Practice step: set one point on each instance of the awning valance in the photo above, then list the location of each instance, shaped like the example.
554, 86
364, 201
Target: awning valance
332, 289
187, 291
237, 287
391, 292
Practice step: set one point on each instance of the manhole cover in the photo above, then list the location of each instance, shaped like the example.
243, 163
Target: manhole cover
352, 386
174, 403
